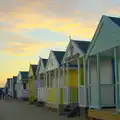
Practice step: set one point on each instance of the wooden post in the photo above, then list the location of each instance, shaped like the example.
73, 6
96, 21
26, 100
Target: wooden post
64, 75
116, 77
67, 67
55, 80
78, 61
58, 78
58, 86
85, 82
99, 80
46, 79
64, 81
46, 93
89, 83
49, 79
78, 72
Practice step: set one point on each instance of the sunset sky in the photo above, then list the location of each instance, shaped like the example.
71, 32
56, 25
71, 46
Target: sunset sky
31, 28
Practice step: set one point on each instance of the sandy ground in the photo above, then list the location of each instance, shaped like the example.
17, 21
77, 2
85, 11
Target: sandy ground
18, 110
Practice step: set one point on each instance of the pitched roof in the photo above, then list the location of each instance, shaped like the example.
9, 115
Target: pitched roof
115, 20
15, 78
38, 66
45, 62
24, 75
83, 45
34, 68
8, 79
59, 55
95, 38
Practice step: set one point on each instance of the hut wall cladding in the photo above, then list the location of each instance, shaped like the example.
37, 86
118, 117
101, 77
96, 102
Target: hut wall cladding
27, 86
65, 79
36, 87
36, 84
73, 94
52, 95
25, 93
29, 89
61, 96
32, 93
81, 80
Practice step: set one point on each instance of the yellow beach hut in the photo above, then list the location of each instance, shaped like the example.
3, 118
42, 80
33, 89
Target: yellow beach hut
53, 77
31, 83
75, 82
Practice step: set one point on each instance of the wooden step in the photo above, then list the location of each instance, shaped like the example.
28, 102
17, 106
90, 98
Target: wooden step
105, 114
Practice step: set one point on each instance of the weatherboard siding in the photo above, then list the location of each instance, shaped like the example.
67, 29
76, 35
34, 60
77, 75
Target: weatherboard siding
31, 86
61, 96
65, 79
73, 94
52, 95
81, 80
82, 76
33, 95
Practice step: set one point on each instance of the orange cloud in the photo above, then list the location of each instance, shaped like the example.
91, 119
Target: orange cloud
63, 25
58, 18
11, 68
27, 46
114, 11
25, 49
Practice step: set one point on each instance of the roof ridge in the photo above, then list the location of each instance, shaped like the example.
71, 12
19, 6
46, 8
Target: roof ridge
44, 58
59, 56
83, 45
113, 17
57, 51
23, 71
116, 20
33, 64
81, 40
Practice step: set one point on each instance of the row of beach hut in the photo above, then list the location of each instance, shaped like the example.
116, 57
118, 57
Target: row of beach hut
82, 80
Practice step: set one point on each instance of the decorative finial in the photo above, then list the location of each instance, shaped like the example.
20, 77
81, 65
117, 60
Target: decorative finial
70, 37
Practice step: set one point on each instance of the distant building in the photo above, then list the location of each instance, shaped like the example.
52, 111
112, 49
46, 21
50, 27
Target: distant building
40, 76
21, 89
14, 81
31, 83
9, 80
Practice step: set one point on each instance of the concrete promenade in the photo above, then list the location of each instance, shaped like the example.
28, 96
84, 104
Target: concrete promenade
19, 110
